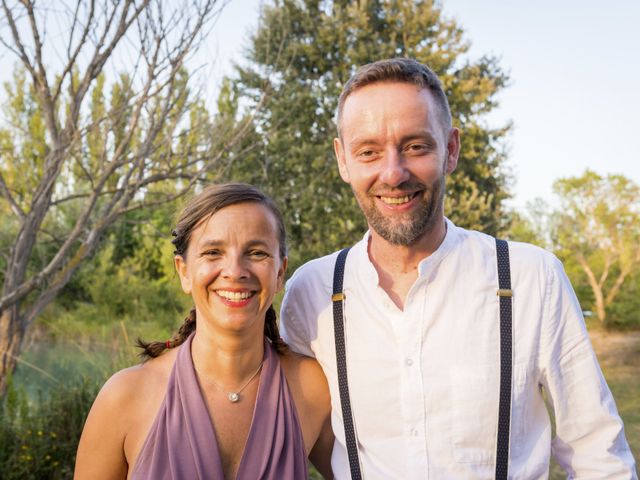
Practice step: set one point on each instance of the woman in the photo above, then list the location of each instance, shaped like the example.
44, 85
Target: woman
224, 398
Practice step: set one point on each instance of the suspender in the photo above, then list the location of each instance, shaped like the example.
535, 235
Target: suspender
506, 358
341, 359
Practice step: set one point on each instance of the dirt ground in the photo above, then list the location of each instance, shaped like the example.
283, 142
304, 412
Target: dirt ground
616, 349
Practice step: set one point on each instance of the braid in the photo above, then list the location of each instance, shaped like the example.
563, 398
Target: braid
272, 333
154, 349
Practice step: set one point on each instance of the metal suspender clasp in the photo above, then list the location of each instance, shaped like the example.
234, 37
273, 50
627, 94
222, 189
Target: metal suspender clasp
504, 292
337, 297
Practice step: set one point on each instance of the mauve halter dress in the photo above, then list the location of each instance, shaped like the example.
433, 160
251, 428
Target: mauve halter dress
181, 444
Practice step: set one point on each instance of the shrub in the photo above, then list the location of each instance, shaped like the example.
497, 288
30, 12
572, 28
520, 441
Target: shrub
39, 437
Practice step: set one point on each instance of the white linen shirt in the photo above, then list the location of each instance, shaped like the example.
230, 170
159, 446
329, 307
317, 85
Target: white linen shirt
424, 381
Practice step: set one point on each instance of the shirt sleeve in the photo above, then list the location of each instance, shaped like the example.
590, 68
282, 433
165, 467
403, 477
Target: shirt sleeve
589, 441
295, 318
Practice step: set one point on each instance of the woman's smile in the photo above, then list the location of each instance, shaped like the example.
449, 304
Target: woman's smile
235, 298
232, 268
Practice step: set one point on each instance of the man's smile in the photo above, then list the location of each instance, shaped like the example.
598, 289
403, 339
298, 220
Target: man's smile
397, 200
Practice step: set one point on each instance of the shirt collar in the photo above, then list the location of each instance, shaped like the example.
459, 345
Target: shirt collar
450, 239
426, 264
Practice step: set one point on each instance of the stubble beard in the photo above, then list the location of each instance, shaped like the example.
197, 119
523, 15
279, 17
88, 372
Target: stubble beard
408, 228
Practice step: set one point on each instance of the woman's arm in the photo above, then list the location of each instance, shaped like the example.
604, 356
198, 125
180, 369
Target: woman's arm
320, 455
101, 450
313, 403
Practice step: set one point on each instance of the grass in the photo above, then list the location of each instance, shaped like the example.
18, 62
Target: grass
39, 437
40, 420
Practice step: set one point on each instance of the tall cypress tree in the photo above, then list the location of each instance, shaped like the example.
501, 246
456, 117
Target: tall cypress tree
301, 54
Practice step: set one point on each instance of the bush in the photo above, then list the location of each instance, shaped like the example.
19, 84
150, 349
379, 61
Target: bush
623, 313
39, 438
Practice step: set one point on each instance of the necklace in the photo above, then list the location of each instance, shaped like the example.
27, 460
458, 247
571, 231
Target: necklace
235, 396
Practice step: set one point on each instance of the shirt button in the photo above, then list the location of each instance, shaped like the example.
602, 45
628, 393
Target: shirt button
414, 432
408, 362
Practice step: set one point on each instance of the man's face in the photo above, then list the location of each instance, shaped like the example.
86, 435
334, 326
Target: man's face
395, 153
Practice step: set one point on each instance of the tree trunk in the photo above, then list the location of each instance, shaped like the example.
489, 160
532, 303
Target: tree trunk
11, 336
600, 307
596, 288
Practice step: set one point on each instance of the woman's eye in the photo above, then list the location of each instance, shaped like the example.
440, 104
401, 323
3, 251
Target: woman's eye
211, 253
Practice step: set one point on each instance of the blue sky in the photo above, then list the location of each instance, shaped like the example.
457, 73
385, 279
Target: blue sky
574, 96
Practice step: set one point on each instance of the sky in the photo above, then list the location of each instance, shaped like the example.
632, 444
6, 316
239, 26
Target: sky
574, 92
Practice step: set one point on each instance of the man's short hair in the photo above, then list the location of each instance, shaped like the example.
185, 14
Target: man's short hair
399, 69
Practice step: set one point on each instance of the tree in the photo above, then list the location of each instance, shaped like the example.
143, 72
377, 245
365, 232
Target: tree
598, 226
305, 50
75, 158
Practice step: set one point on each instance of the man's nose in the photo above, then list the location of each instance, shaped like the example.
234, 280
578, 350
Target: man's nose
394, 169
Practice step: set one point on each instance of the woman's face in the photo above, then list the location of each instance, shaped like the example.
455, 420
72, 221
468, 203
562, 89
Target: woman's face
233, 267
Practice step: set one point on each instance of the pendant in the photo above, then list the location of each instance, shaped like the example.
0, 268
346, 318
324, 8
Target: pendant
233, 397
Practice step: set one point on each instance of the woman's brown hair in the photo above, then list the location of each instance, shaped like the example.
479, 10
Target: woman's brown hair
202, 206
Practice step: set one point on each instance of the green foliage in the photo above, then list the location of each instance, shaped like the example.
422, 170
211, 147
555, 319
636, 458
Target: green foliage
598, 214
301, 55
39, 438
130, 283
596, 231
23, 144
522, 229
624, 312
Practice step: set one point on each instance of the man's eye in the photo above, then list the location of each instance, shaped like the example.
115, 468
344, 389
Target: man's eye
417, 148
366, 154
258, 254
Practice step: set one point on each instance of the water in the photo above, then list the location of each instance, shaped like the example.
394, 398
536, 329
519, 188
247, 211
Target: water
46, 363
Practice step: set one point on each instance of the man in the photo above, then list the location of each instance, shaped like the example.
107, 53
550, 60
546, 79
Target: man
422, 318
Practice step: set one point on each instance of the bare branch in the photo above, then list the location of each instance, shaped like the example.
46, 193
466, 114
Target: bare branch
605, 269
43, 91
72, 57
100, 57
615, 289
60, 280
19, 49
6, 193
112, 178
595, 288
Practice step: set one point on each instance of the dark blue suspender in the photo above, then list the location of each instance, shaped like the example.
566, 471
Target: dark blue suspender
506, 356
341, 360
506, 359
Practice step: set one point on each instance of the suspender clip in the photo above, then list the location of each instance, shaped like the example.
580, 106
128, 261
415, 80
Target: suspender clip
504, 292
337, 297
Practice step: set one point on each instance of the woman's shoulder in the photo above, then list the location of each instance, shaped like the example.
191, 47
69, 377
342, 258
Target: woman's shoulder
128, 383
131, 392
310, 392
120, 418
296, 364
306, 378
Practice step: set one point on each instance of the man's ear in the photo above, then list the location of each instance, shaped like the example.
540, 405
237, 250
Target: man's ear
340, 157
453, 151
181, 268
